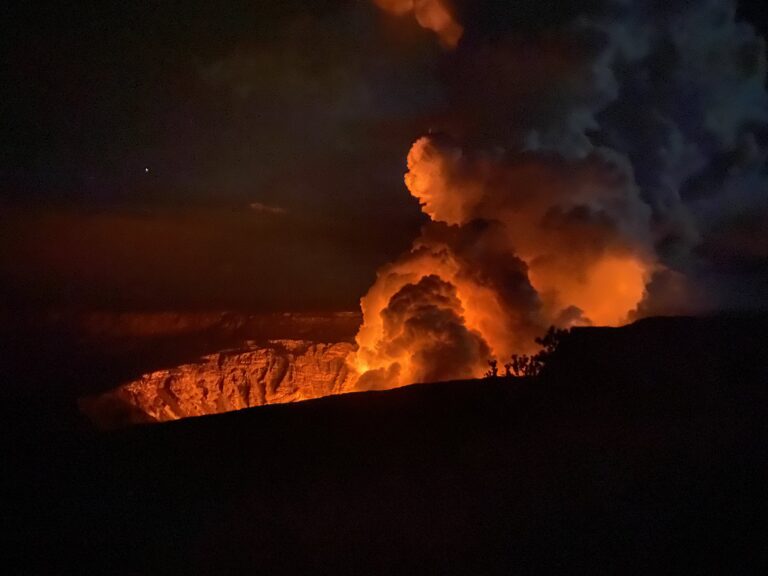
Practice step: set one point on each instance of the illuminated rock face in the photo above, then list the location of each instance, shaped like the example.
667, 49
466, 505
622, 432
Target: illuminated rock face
282, 371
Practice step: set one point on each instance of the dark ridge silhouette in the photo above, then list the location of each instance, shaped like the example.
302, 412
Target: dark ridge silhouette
640, 450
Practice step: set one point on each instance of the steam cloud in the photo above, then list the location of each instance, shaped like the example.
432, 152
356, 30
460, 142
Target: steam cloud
606, 167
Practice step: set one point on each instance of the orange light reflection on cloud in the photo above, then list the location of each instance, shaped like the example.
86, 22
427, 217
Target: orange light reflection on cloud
430, 14
606, 292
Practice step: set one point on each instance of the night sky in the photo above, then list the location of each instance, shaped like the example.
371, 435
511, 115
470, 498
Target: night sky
171, 155
187, 155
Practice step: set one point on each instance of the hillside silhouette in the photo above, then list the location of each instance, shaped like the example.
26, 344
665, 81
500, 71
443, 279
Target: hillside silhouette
640, 450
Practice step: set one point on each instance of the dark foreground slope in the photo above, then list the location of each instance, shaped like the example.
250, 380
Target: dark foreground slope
645, 452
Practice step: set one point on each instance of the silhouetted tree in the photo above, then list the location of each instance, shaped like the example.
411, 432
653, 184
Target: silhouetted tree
527, 365
493, 370
524, 365
550, 342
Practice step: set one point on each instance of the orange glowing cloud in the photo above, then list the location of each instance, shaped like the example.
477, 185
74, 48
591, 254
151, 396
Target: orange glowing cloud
430, 14
514, 244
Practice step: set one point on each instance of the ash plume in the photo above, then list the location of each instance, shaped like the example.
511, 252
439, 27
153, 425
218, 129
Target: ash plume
604, 166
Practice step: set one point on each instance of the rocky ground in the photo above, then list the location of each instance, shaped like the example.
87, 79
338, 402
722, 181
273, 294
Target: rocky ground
275, 372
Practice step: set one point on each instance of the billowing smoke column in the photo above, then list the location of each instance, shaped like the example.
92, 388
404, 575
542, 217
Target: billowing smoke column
609, 166
513, 244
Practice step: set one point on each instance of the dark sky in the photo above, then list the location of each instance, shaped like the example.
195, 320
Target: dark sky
175, 154
204, 155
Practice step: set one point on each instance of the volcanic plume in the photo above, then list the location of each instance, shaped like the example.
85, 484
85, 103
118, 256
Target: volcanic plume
513, 244
600, 167
581, 178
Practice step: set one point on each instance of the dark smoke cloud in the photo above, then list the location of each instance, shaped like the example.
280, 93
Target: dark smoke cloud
677, 89
619, 153
691, 115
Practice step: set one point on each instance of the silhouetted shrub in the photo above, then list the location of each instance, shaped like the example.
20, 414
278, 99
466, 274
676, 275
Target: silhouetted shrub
549, 343
524, 365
